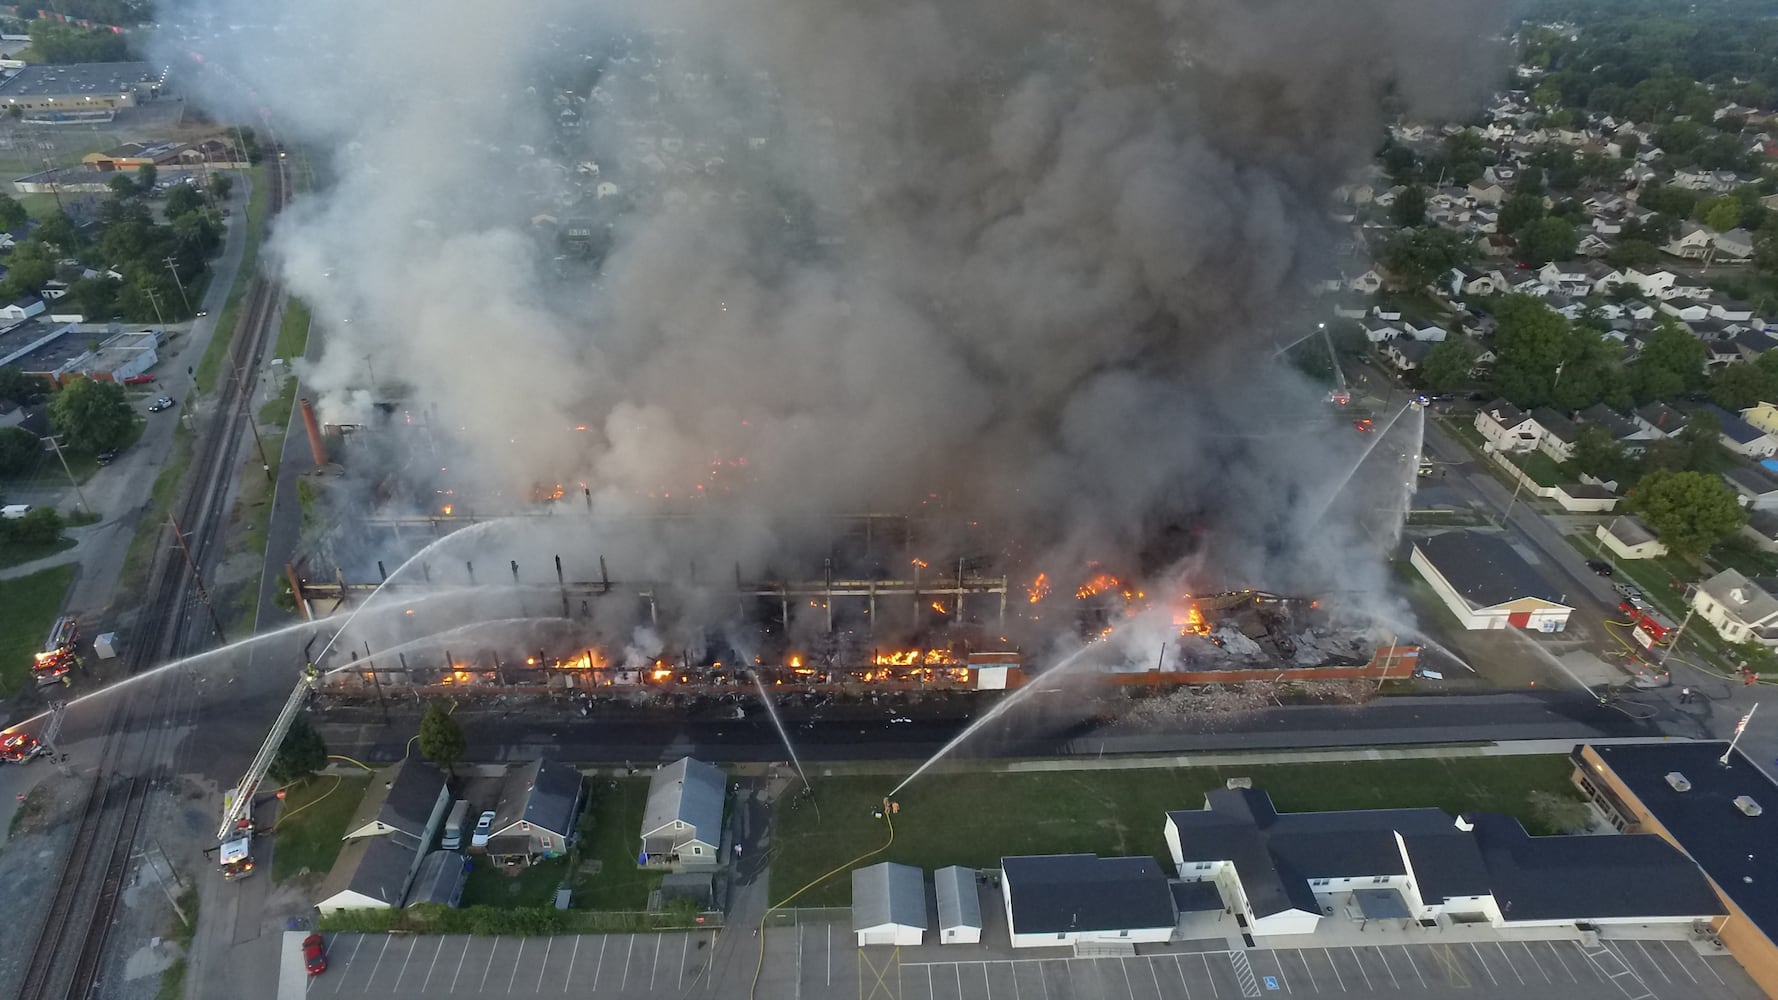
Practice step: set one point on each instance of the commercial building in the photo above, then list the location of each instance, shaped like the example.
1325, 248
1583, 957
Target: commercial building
1070, 900
120, 356
79, 90
1715, 813
889, 904
1487, 584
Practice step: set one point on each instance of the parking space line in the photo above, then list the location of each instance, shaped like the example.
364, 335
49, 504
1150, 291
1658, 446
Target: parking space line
1509, 963
930, 992
685, 949
958, 970
460, 959
378, 963
654, 966
1151, 972
1710, 970
631, 953
1534, 961
1358, 960
1015, 982
1587, 962
1043, 980
572, 957
1484, 962
413, 942
429, 968
1569, 972
1180, 968
542, 966
604, 940
989, 986
489, 966
341, 982
1330, 964
1411, 964
1308, 971
829, 958
1676, 961
1129, 987
1388, 967
1280, 964
1651, 960
518, 959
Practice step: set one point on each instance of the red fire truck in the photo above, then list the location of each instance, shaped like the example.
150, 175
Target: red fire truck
58, 655
1648, 627
20, 748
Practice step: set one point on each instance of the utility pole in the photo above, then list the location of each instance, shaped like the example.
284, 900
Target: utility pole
154, 300
1519, 485
197, 578
1690, 610
173, 267
264, 463
56, 446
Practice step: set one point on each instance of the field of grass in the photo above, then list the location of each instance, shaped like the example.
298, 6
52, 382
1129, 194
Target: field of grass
1542, 469
601, 871
252, 515
226, 321
81, 463
18, 553
277, 411
293, 330
140, 557
975, 819
28, 607
311, 821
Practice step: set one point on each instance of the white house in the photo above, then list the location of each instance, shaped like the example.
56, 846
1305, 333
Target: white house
1066, 900
1369, 282
889, 904
23, 309
1486, 194
959, 905
682, 821
1733, 246
409, 797
1507, 427
1559, 434
1405, 354
372, 873
1692, 242
1488, 585
1741, 609
1755, 488
1628, 538
1557, 279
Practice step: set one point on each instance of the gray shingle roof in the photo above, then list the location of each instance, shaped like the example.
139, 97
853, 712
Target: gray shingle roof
1586, 878
1060, 893
959, 903
542, 793
1744, 598
691, 792
888, 893
1630, 531
376, 867
410, 796
1485, 569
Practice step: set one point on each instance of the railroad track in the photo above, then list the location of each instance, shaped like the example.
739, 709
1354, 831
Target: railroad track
68, 956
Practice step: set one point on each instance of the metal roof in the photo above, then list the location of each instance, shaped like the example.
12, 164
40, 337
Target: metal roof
888, 893
1062, 893
691, 792
1588, 878
959, 902
1485, 569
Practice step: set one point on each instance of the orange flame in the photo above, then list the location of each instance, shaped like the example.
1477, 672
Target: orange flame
447, 510
1097, 585
660, 675
1039, 589
1191, 622
938, 606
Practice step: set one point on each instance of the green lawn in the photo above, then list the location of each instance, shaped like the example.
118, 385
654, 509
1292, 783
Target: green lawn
140, 556
975, 819
17, 553
293, 330
277, 411
311, 820
1740, 553
1542, 469
602, 870
226, 321
28, 607
82, 464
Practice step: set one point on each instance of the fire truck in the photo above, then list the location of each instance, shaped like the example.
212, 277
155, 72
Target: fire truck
1649, 628
236, 852
58, 656
20, 748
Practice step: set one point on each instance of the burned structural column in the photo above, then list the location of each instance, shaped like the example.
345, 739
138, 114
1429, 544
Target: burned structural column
317, 445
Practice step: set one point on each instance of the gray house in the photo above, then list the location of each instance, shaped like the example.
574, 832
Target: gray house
409, 797
889, 904
535, 815
682, 823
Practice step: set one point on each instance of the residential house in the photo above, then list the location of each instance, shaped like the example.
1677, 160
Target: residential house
1405, 355
1486, 193
1379, 334
1487, 584
1692, 243
1428, 334
1660, 419
1755, 486
1559, 436
889, 905
1630, 435
1763, 416
1686, 311
1507, 428
1742, 610
1589, 498
371, 873
1717, 352
1593, 245
1720, 814
682, 822
1750, 344
1564, 280
1281, 872
1741, 437
1470, 281
1732, 247
1062, 900
408, 798
1762, 527
535, 817
959, 905
1369, 283
22, 309
1628, 538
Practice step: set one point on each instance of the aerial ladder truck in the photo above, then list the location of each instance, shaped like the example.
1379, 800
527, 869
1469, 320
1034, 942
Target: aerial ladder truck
235, 836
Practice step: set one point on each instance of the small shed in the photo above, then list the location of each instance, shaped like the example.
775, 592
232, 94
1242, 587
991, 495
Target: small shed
889, 904
959, 906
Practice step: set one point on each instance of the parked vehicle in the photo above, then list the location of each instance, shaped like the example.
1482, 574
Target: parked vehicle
163, 403
1600, 567
314, 954
453, 828
13, 511
21, 748
484, 828
138, 380
1627, 591
105, 457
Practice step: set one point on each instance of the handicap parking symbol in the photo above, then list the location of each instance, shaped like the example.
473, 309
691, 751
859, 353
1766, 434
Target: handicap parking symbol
1271, 982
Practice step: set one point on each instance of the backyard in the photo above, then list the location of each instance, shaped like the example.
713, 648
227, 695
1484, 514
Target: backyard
601, 870
976, 819
28, 607
311, 821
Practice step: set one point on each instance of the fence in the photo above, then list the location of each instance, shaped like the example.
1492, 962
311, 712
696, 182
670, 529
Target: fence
514, 922
798, 916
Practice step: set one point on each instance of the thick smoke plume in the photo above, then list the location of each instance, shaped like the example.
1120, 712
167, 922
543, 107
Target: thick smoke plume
1026, 261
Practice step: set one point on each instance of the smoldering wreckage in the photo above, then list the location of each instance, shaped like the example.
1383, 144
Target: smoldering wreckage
1018, 262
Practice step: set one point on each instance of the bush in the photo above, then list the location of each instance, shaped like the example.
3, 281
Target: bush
19, 451
40, 527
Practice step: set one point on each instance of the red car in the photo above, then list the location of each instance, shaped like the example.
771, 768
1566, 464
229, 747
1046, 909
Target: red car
314, 955
138, 380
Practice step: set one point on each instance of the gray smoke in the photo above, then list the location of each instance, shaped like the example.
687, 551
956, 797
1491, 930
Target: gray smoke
1026, 261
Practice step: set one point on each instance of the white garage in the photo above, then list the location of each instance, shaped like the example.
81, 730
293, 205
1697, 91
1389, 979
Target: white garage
1487, 584
959, 906
889, 904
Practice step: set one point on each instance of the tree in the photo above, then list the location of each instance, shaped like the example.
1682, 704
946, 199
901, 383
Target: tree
1519, 211
1409, 208
12, 214
20, 388
1596, 454
92, 416
1448, 364
146, 176
1740, 385
54, 42
184, 199
1688, 511
1399, 162
441, 740
122, 186
39, 527
1530, 341
1420, 257
221, 185
1530, 181
19, 451
301, 753
1721, 214
1547, 239
1633, 253
1671, 363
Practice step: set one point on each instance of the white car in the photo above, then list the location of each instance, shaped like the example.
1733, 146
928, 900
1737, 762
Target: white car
483, 828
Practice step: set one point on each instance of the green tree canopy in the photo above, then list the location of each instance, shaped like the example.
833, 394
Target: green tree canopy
1740, 385
54, 42
1420, 257
1688, 511
1633, 253
183, 199
12, 214
301, 754
20, 451
91, 416
39, 527
1409, 208
1519, 211
1671, 363
1530, 341
1547, 239
1448, 364
221, 185
1721, 214
441, 739
21, 388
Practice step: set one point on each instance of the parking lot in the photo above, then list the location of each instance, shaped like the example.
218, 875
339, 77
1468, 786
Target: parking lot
819, 962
